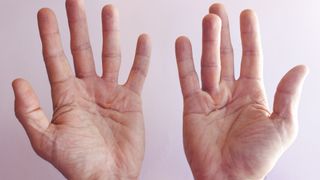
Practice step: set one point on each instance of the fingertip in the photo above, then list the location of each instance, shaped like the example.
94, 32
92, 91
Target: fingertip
212, 21
44, 14
144, 44
44, 11
300, 71
248, 16
110, 11
144, 38
216, 8
15, 86
293, 80
16, 82
298, 74
303, 69
24, 95
110, 18
182, 40
182, 45
46, 21
220, 10
20, 85
248, 13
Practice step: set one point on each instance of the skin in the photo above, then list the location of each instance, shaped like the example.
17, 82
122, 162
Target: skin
97, 128
229, 132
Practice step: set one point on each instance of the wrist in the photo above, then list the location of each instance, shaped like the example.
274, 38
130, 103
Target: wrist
105, 176
224, 176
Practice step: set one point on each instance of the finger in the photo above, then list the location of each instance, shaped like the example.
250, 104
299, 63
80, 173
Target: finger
210, 60
288, 93
187, 74
111, 55
251, 65
140, 65
28, 111
80, 42
56, 63
226, 50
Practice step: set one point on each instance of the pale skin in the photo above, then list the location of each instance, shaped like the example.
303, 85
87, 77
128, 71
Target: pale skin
229, 132
97, 129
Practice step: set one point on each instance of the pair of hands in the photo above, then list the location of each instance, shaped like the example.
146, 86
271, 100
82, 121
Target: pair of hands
97, 129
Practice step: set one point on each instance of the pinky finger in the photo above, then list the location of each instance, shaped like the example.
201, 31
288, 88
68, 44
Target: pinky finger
140, 65
189, 80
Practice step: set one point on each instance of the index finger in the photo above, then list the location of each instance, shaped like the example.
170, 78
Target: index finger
251, 65
57, 66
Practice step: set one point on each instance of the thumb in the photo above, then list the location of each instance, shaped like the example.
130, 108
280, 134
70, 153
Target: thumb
288, 93
28, 111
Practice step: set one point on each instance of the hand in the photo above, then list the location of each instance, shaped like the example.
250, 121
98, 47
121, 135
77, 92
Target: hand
97, 129
229, 133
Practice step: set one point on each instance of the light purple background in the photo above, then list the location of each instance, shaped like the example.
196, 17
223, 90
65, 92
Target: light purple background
290, 33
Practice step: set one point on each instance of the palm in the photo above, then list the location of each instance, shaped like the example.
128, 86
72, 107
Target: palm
97, 129
229, 132
239, 136
106, 123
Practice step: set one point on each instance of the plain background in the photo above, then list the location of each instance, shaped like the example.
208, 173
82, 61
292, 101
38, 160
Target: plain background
290, 34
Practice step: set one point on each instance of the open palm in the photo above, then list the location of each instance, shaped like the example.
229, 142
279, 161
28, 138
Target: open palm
97, 129
229, 132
